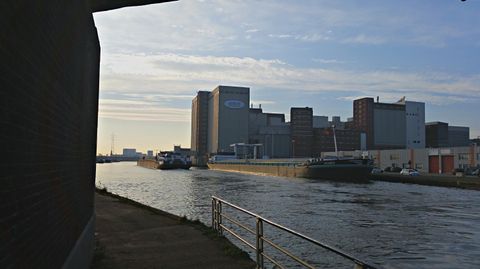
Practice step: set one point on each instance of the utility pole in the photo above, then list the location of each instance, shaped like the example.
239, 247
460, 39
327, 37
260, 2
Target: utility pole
112, 146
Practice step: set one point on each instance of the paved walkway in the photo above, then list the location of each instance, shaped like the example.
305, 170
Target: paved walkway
129, 236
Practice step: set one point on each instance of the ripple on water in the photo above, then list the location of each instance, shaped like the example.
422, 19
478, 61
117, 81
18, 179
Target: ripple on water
393, 225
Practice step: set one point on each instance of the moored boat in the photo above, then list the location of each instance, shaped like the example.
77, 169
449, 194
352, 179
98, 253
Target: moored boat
344, 169
347, 169
329, 168
173, 160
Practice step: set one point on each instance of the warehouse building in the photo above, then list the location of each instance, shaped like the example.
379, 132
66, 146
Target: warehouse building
440, 134
219, 119
270, 130
427, 160
390, 125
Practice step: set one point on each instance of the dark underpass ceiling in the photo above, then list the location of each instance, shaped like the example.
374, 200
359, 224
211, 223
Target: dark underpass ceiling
104, 5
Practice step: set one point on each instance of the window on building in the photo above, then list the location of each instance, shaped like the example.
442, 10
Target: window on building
463, 156
394, 156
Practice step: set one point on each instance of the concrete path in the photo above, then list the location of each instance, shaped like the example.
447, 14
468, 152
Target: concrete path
129, 236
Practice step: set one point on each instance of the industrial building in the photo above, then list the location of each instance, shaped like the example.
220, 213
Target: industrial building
227, 117
323, 141
222, 117
458, 136
390, 125
270, 130
199, 134
219, 119
129, 152
426, 160
321, 122
440, 134
414, 124
301, 128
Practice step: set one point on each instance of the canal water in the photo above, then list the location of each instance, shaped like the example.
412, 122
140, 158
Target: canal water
392, 225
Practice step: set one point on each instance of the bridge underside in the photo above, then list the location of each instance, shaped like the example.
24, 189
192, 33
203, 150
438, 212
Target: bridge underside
104, 5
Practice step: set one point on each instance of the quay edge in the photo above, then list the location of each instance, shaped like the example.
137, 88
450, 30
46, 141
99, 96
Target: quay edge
464, 182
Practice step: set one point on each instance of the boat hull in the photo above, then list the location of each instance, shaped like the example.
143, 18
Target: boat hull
343, 172
339, 172
165, 166
153, 164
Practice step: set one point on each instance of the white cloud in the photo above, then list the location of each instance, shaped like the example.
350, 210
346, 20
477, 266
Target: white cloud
153, 97
140, 111
280, 35
187, 26
365, 39
313, 37
164, 74
429, 98
328, 61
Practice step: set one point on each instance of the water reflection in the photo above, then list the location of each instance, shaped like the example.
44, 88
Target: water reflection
394, 225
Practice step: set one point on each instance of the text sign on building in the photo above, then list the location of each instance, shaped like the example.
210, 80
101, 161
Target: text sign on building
235, 104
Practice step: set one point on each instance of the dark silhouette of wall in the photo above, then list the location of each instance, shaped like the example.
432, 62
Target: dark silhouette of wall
102, 5
49, 97
49, 74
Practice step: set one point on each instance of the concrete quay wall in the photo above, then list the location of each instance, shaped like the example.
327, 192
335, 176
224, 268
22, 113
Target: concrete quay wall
467, 182
295, 171
152, 164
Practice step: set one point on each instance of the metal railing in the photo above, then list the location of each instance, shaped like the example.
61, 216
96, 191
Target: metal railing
218, 225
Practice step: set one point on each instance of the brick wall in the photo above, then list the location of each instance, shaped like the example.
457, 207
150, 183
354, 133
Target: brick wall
49, 60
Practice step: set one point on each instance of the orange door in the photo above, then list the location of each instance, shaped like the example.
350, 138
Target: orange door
447, 164
433, 164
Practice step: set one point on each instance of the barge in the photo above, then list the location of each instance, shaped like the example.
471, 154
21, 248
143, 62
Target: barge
329, 168
167, 160
344, 169
173, 160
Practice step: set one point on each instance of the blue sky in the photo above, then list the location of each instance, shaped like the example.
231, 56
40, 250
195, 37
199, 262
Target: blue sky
321, 54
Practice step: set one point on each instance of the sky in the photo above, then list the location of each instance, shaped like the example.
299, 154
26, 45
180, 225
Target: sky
315, 53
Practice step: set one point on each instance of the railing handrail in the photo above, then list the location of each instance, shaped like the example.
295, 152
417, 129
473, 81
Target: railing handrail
281, 227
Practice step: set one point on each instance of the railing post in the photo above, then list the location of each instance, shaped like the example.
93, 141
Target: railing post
259, 249
213, 214
219, 218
